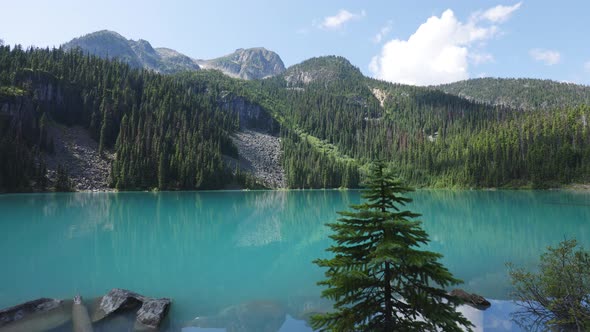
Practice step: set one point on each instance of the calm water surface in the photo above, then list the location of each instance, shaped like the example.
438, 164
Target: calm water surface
245, 257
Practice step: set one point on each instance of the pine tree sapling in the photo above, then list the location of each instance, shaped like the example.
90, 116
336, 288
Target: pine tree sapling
378, 278
558, 296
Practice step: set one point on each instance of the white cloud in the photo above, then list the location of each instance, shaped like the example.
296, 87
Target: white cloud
342, 17
440, 50
549, 57
587, 66
385, 30
497, 14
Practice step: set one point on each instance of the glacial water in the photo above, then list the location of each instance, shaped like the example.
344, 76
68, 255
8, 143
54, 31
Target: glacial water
242, 260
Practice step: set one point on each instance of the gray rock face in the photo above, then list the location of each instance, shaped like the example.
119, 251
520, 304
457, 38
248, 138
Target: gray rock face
251, 116
248, 64
151, 311
22, 310
474, 300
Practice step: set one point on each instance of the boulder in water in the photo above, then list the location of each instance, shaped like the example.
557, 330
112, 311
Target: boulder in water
474, 300
116, 300
150, 314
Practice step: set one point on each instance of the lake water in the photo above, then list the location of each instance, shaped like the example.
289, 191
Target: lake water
234, 257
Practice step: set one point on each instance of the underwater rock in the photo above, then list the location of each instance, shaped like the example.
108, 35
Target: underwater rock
259, 316
474, 300
22, 310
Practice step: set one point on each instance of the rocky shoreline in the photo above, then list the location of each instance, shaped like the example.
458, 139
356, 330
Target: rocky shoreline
46, 314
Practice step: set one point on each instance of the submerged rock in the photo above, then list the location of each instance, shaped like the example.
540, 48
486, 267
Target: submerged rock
151, 311
260, 316
22, 310
472, 299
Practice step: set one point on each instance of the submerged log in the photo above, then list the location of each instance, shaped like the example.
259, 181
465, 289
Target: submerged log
80, 317
22, 310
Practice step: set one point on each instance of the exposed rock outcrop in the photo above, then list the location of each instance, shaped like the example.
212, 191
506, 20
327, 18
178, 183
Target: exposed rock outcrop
250, 115
474, 300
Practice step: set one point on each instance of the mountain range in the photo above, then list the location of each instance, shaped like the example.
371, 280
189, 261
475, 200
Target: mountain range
251, 63
252, 123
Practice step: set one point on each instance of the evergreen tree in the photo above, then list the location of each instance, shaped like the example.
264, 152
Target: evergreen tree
378, 277
62, 181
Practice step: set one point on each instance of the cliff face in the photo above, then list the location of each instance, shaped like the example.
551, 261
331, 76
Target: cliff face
248, 64
257, 141
251, 116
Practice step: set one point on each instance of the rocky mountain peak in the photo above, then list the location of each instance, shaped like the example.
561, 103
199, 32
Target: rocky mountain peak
138, 54
250, 63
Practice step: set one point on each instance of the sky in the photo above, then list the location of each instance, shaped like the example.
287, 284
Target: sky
413, 42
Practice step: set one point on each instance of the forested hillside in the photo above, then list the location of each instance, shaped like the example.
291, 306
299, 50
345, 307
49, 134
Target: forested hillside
524, 93
166, 130
175, 131
435, 139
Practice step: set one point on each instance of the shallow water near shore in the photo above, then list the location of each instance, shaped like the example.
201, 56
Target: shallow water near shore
243, 258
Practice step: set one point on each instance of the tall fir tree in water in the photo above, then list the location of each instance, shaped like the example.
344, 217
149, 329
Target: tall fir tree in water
378, 277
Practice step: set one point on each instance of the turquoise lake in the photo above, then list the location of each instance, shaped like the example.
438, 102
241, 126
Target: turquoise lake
252, 250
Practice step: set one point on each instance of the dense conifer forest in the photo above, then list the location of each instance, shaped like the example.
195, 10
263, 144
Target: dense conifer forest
173, 132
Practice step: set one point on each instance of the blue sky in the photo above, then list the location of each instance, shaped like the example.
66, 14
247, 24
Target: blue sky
422, 42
